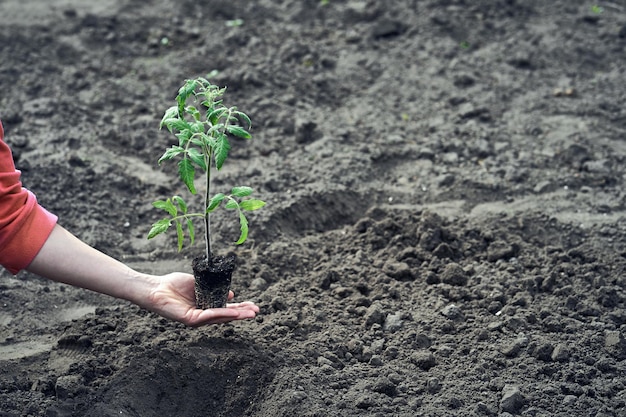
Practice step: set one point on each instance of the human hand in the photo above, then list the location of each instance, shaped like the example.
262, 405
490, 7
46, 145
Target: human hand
173, 297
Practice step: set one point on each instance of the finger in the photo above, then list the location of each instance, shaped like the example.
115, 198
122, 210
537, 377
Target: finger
246, 305
217, 317
231, 295
231, 313
243, 303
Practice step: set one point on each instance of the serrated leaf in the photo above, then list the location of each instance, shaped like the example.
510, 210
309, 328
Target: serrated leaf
187, 173
184, 136
159, 227
176, 123
251, 205
197, 127
180, 235
183, 94
193, 112
245, 118
238, 131
215, 129
190, 229
233, 115
170, 113
221, 148
171, 153
215, 202
243, 222
181, 203
197, 157
186, 90
241, 191
166, 205
197, 141
231, 204
214, 115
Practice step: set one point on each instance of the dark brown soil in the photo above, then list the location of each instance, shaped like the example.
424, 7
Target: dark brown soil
213, 280
445, 232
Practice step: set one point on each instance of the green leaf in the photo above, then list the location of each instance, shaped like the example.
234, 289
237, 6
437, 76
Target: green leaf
171, 153
222, 146
170, 113
209, 106
180, 235
192, 233
187, 173
166, 205
197, 157
250, 205
233, 117
183, 137
197, 127
193, 112
214, 115
231, 204
245, 118
183, 94
238, 131
181, 204
215, 202
241, 191
186, 90
198, 141
215, 129
243, 222
176, 123
159, 227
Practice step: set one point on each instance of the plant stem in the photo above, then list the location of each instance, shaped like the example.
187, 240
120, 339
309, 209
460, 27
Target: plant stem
207, 216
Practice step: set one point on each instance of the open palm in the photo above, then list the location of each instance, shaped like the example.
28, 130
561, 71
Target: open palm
174, 298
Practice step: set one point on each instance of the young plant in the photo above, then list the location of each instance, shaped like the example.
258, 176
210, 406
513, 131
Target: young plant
595, 9
203, 124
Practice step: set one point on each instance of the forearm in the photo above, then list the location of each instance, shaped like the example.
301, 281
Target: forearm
65, 258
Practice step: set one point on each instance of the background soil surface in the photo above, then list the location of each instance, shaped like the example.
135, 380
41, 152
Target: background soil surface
446, 223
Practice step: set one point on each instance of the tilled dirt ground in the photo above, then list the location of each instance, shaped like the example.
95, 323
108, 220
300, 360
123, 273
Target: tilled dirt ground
445, 232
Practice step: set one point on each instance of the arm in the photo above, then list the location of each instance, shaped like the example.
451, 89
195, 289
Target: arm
65, 258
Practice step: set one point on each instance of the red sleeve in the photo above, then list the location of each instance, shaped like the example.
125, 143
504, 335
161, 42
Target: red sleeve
24, 224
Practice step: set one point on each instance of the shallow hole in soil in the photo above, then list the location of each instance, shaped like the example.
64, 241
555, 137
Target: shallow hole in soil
216, 377
318, 213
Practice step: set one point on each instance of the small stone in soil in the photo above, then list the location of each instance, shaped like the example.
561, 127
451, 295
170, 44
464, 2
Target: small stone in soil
374, 314
393, 323
512, 400
424, 360
453, 274
452, 312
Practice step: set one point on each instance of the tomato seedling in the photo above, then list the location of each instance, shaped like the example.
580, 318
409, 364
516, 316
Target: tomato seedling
203, 126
